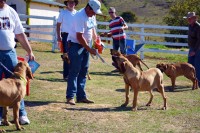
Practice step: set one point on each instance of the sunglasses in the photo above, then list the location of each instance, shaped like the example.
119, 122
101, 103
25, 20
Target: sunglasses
71, 2
110, 12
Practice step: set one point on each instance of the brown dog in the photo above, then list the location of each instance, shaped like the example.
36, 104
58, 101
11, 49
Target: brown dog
133, 58
12, 90
179, 69
140, 81
65, 57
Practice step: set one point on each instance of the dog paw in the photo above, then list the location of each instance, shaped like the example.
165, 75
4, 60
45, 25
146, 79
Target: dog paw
164, 108
124, 105
148, 104
20, 128
7, 123
134, 109
2, 131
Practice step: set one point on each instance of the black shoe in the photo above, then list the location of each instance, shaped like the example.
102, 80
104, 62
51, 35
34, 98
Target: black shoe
85, 101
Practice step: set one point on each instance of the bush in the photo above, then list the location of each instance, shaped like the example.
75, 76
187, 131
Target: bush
175, 16
129, 17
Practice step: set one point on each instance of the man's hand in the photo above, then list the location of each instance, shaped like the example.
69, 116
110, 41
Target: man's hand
103, 34
93, 51
31, 56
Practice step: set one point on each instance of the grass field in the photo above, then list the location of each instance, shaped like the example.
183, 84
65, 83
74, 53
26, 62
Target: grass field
48, 112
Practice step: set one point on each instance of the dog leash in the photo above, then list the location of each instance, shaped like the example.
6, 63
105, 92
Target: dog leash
95, 57
6, 68
20, 77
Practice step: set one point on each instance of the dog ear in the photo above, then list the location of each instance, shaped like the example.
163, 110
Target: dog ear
173, 67
165, 66
158, 66
122, 68
29, 73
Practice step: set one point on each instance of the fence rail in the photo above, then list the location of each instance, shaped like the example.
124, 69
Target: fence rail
130, 33
52, 33
144, 34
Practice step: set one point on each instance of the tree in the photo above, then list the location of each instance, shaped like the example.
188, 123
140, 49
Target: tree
129, 17
176, 13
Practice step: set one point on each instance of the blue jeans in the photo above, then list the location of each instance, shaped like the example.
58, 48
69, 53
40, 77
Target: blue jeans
9, 59
65, 50
195, 61
78, 68
120, 44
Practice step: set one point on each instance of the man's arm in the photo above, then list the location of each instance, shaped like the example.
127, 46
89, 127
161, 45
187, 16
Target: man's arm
83, 42
94, 34
125, 26
58, 31
25, 44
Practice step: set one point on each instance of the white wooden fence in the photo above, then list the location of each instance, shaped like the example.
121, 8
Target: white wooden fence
52, 33
141, 33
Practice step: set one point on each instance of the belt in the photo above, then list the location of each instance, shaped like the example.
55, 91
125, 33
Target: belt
5, 51
64, 33
74, 43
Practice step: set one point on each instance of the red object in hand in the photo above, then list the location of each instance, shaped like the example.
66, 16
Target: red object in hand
98, 45
60, 45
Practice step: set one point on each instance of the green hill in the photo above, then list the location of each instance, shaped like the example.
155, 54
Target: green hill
147, 11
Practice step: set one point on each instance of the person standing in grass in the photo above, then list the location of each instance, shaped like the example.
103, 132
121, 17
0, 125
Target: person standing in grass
80, 36
63, 26
117, 26
11, 28
194, 42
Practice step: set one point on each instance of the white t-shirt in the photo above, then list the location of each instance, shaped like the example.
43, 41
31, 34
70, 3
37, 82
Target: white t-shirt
10, 25
83, 24
65, 19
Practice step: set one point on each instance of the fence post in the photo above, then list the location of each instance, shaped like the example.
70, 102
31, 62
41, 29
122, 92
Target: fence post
54, 44
142, 38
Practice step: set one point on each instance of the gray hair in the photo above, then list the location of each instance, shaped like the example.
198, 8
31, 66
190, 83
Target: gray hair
112, 9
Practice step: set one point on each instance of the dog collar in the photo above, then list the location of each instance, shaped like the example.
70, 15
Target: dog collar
23, 79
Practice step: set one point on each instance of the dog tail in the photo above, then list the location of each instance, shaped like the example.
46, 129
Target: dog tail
194, 71
144, 63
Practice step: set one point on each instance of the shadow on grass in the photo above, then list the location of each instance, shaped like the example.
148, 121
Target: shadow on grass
167, 89
120, 90
112, 109
42, 51
39, 103
105, 73
100, 109
178, 88
51, 79
49, 72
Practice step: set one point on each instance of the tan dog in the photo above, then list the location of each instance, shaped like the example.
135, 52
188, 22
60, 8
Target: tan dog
179, 69
65, 57
140, 81
12, 90
133, 58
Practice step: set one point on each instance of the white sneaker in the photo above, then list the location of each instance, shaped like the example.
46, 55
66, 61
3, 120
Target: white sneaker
0, 122
23, 120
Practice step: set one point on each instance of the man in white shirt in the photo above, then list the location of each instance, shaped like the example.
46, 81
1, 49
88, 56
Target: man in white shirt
63, 25
11, 27
79, 38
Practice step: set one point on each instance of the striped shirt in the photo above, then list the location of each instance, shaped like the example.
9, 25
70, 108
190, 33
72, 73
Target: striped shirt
115, 26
